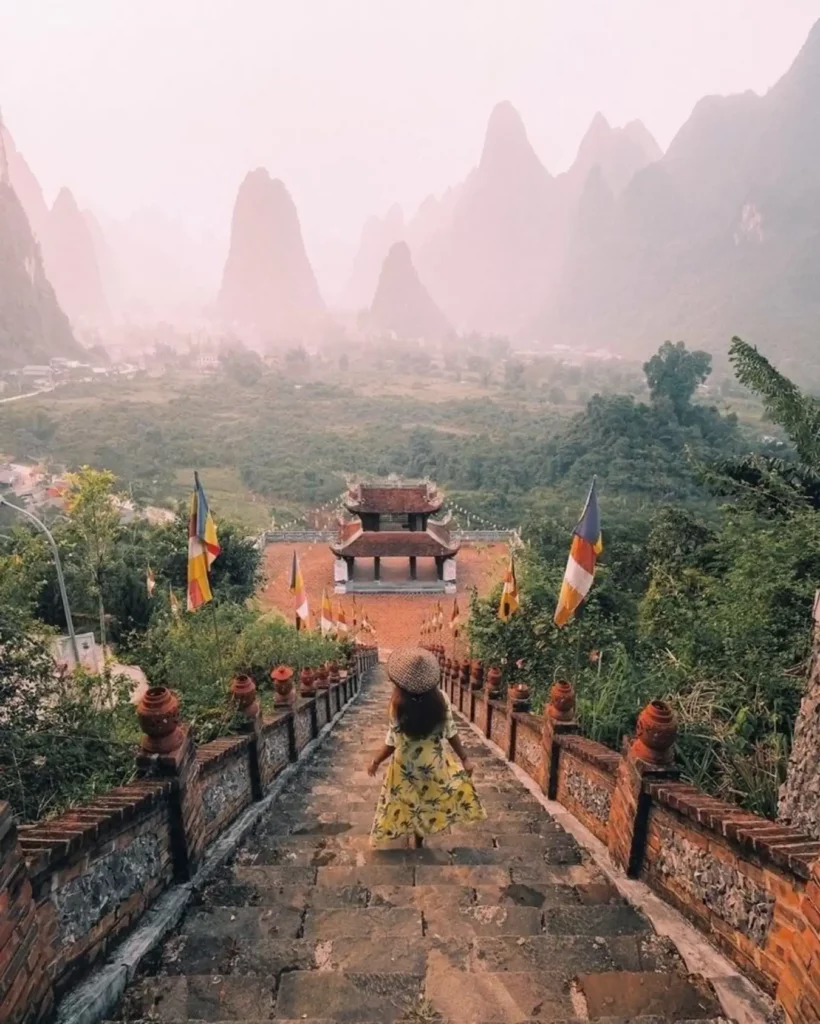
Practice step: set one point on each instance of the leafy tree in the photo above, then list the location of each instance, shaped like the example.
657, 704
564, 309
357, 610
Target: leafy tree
242, 365
773, 484
95, 521
673, 374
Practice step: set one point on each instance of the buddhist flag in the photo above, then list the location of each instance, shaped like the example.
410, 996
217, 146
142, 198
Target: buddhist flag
203, 547
297, 587
509, 602
150, 581
172, 597
439, 616
455, 617
326, 619
341, 620
356, 617
367, 625
586, 545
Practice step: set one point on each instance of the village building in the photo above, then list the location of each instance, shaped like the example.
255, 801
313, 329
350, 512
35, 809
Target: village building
394, 544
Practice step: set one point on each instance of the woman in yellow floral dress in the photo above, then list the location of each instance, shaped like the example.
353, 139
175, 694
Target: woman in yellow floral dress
424, 790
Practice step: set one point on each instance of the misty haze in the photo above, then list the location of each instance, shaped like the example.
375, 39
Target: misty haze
389, 392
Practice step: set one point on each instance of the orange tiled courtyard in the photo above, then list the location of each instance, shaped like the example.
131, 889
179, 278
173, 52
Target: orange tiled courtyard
395, 617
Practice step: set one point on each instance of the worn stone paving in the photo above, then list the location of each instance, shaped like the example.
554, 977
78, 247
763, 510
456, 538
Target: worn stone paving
504, 923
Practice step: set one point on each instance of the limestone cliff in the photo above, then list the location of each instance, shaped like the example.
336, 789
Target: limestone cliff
402, 304
33, 327
70, 260
268, 282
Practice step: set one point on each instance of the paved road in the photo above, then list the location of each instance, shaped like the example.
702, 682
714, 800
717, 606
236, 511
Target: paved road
502, 924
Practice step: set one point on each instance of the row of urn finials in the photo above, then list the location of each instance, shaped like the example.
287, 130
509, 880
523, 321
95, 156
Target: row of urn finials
158, 708
655, 730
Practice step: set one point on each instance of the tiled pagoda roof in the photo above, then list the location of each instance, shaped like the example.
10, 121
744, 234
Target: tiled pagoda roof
399, 500
434, 542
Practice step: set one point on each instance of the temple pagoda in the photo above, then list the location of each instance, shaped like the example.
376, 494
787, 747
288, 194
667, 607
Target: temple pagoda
394, 522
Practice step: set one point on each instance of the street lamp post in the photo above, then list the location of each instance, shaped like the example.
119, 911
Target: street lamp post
60, 578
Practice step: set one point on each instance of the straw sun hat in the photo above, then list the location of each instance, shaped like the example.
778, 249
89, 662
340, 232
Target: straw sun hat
414, 670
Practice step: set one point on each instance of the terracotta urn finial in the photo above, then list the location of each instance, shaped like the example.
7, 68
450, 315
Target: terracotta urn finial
243, 691
477, 676
307, 687
655, 734
158, 714
283, 691
561, 707
320, 676
333, 674
494, 682
519, 696
464, 678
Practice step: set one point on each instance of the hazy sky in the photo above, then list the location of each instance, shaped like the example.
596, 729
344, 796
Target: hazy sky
355, 104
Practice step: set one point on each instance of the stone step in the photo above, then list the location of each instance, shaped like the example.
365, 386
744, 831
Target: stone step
367, 998
672, 996
419, 1018
566, 955
504, 922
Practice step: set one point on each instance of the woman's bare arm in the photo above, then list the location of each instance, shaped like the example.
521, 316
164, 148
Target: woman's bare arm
466, 763
382, 755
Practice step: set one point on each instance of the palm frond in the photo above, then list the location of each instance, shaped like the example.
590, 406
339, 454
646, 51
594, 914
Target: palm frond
798, 414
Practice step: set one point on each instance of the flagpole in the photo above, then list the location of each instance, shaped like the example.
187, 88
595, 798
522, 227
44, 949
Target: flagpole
216, 637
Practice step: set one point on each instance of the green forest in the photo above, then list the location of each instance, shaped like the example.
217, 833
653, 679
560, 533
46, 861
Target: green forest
65, 737
703, 598
709, 494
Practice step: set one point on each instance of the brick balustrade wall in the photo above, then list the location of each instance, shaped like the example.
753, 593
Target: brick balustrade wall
751, 885
73, 886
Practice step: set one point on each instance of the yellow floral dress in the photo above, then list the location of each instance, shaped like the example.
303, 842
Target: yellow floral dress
425, 790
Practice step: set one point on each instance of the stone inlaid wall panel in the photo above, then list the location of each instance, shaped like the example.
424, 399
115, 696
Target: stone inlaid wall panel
99, 892
724, 890
86, 899
225, 792
302, 726
586, 792
528, 745
274, 749
321, 710
498, 726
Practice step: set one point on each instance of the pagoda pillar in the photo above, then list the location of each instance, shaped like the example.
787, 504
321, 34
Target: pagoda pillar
351, 566
413, 572
377, 568
439, 568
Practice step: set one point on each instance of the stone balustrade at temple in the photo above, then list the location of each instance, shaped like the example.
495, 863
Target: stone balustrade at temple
75, 885
72, 887
749, 884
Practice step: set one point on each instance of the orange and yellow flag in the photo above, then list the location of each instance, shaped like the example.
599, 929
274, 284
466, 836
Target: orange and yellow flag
326, 623
203, 548
509, 603
341, 620
297, 587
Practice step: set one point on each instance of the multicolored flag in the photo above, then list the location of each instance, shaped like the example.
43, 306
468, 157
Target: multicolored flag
326, 623
367, 625
203, 548
455, 618
297, 587
586, 545
341, 620
355, 622
150, 581
509, 602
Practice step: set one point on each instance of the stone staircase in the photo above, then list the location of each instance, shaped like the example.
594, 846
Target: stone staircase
503, 923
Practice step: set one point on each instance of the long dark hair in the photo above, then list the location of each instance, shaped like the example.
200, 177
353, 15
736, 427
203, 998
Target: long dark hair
418, 715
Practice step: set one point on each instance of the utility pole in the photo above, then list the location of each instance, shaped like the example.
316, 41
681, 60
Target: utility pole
60, 578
